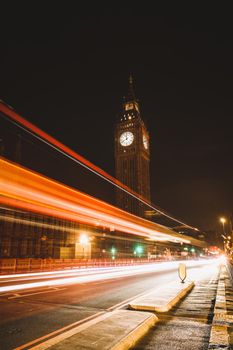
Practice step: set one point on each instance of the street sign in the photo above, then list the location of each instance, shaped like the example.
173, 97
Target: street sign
182, 272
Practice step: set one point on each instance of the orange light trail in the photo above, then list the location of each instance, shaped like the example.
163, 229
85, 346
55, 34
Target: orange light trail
25, 189
51, 140
40, 134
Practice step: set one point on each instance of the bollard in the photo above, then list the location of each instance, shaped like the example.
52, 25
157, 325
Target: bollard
182, 272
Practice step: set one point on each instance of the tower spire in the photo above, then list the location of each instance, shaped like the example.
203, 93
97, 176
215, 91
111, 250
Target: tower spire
132, 154
131, 94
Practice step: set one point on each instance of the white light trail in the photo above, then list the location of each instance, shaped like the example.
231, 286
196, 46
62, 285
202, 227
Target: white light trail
93, 275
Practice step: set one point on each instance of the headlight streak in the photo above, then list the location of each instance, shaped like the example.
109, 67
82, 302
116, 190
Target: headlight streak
107, 275
57, 274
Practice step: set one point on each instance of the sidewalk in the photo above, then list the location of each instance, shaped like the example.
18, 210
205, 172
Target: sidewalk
222, 325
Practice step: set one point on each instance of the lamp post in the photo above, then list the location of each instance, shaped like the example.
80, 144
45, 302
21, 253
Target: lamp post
223, 220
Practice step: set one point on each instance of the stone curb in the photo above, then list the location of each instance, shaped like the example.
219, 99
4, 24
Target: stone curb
104, 340
219, 337
160, 304
135, 335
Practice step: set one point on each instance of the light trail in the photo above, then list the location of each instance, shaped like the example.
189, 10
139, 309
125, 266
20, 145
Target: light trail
22, 188
10, 114
11, 218
127, 271
58, 274
47, 273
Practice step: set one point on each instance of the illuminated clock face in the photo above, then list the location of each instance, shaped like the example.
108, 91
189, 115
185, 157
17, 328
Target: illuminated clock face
128, 106
126, 138
145, 141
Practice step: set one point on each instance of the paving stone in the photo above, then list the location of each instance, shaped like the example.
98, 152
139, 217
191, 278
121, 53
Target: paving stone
186, 326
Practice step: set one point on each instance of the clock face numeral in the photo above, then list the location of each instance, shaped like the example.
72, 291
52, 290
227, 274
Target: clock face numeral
126, 138
145, 141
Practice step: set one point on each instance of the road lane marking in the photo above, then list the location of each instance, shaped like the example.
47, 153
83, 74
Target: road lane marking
54, 333
45, 337
55, 340
27, 295
125, 302
60, 330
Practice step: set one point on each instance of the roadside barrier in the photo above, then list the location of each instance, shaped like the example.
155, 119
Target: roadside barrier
23, 265
36, 264
33, 264
7, 265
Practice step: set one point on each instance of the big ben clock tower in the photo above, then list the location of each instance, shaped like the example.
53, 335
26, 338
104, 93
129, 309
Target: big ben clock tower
132, 155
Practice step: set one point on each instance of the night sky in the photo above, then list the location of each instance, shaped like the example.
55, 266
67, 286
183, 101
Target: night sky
67, 72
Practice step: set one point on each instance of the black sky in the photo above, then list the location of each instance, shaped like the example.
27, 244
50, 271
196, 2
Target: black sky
67, 72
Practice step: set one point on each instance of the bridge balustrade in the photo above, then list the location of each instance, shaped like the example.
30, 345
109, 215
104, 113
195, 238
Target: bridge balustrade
33, 264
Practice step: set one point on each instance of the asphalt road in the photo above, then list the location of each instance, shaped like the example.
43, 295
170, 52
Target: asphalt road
35, 305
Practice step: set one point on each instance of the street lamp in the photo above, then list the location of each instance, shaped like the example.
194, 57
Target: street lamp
223, 220
83, 240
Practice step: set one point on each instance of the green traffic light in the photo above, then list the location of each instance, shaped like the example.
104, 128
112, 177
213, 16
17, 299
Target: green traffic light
139, 249
113, 251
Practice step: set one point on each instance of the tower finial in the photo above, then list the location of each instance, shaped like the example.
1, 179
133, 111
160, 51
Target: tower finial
130, 79
131, 94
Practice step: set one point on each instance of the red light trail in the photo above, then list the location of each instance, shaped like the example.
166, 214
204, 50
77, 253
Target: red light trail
40, 134
22, 188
